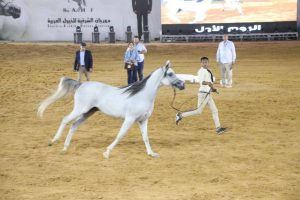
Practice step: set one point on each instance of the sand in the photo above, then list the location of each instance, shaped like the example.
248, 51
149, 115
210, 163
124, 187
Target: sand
258, 158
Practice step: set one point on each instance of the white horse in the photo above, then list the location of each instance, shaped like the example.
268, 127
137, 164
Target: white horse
199, 7
233, 5
133, 103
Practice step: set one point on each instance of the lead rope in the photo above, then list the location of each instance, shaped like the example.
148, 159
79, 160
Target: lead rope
179, 109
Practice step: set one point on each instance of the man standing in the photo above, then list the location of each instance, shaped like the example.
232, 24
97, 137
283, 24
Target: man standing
141, 49
83, 62
204, 97
226, 57
141, 8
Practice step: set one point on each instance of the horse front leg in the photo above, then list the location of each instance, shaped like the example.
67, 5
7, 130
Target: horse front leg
125, 126
144, 130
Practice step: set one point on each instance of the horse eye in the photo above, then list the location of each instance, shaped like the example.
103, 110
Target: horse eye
171, 74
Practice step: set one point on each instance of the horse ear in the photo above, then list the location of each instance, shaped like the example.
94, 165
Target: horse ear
168, 64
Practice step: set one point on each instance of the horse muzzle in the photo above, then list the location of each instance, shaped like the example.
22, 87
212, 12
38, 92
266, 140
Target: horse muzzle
179, 85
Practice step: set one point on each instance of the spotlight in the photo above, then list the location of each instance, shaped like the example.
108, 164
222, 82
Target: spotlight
96, 30
78, 29
146, 34
111, 29
112, 35
96, 35
128, 34
146, 28
78, 35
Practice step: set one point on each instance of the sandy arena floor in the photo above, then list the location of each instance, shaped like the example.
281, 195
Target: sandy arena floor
259, 158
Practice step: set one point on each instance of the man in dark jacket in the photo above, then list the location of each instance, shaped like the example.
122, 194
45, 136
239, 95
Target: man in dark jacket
83, 62
141, 8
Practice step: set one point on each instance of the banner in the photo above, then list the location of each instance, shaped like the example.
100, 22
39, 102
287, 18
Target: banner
56, 20
227, 11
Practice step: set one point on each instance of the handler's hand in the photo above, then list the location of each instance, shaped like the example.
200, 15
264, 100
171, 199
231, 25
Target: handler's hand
214, 90
91, 69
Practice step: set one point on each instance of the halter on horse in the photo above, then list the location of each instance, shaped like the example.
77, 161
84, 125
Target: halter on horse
133, 103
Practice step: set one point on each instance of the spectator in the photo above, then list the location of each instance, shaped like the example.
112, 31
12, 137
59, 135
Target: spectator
226, 57
141, 49
83, 62
131, 61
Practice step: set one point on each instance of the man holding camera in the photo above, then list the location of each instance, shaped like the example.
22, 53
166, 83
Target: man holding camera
141, 49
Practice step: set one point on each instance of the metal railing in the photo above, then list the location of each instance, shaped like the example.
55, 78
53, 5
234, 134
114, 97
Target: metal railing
233, 37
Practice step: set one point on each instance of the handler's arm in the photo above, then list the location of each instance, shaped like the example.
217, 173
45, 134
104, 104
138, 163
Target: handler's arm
210, 85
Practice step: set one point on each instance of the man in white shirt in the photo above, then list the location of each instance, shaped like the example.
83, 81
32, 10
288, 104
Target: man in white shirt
226, 57
204, 97
141, 49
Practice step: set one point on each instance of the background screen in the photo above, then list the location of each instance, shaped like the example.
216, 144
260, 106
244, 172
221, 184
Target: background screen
227, 11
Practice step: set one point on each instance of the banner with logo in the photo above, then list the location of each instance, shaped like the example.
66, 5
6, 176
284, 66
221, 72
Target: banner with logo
56, 20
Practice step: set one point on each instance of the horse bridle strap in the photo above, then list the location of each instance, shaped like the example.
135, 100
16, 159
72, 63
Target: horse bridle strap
165, 72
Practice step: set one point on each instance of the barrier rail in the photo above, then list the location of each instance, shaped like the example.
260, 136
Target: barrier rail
233, 37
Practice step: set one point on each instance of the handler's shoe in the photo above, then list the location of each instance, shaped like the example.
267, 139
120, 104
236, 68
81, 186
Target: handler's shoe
178, 118
220, 130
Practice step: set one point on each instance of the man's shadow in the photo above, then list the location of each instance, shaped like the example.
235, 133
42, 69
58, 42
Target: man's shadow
142, 8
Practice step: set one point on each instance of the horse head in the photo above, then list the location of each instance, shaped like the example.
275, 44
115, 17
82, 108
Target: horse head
170, 78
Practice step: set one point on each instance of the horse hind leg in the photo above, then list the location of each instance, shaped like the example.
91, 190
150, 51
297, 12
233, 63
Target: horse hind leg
75, 125
125, 126
73, 115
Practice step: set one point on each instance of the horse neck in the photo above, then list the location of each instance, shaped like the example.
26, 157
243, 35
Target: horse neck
153, 83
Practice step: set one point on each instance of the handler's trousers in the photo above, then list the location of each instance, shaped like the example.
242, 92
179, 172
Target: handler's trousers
83, 70
226, 73
203, 100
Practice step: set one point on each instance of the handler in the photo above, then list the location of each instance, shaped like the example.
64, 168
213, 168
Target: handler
204, 96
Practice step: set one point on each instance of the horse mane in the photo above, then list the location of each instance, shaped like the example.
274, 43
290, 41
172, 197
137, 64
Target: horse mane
136, 87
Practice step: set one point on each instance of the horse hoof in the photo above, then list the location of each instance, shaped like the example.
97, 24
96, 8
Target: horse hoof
154, 155
106, 154
63, 152
50, 143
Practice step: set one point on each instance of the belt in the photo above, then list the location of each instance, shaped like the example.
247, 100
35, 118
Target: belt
204, 92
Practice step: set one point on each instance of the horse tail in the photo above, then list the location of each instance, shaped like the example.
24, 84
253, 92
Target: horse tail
65, 86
